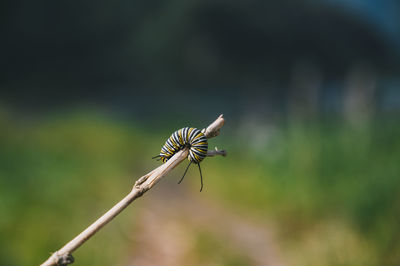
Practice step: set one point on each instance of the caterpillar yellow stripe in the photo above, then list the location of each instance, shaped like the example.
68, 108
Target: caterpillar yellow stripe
187, 137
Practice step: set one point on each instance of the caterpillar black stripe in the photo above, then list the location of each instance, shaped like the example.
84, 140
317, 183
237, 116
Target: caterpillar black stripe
187, 137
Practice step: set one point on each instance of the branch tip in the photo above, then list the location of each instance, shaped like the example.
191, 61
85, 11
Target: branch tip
63, 256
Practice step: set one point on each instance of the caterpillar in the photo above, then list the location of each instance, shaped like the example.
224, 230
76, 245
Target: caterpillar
187, 137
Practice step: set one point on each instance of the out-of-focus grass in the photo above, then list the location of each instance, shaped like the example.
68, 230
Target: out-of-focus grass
57, 175
213, 251
335, 183
331, 190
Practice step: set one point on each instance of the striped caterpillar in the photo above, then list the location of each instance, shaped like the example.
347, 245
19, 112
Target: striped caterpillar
187, 137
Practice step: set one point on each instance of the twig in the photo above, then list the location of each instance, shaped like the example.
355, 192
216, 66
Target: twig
145, 183
212, 153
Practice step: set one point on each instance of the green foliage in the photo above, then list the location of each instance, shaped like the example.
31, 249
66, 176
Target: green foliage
313, 174
57, 176
211, 250
325, 183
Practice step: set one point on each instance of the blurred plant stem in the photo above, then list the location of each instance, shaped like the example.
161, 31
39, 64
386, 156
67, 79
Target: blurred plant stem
145, 183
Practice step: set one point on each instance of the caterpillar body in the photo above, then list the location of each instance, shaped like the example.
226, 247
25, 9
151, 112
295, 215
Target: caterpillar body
187, 137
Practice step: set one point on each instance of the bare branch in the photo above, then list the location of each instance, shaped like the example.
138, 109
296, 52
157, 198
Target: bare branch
212, 153
213, 129
145, 183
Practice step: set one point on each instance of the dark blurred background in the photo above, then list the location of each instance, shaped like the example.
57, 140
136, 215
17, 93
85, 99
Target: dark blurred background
89, 91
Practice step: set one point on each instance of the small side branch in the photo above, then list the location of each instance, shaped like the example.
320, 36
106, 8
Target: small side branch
214, 152
142, 185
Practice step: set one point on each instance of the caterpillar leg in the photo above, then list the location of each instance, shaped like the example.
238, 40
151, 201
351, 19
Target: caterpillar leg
184, 173
201, 178
158, 156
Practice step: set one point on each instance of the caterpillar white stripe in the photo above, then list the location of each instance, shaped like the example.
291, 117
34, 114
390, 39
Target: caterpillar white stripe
187, 137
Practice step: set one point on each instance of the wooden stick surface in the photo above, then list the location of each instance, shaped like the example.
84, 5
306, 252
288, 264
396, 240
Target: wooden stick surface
145, 183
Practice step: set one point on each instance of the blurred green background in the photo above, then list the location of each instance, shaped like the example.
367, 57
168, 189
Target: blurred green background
89, 92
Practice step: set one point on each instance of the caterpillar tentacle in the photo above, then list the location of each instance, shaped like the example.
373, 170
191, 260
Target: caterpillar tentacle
186, 137
189, 137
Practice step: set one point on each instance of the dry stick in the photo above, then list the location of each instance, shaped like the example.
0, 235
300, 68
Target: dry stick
146, 182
